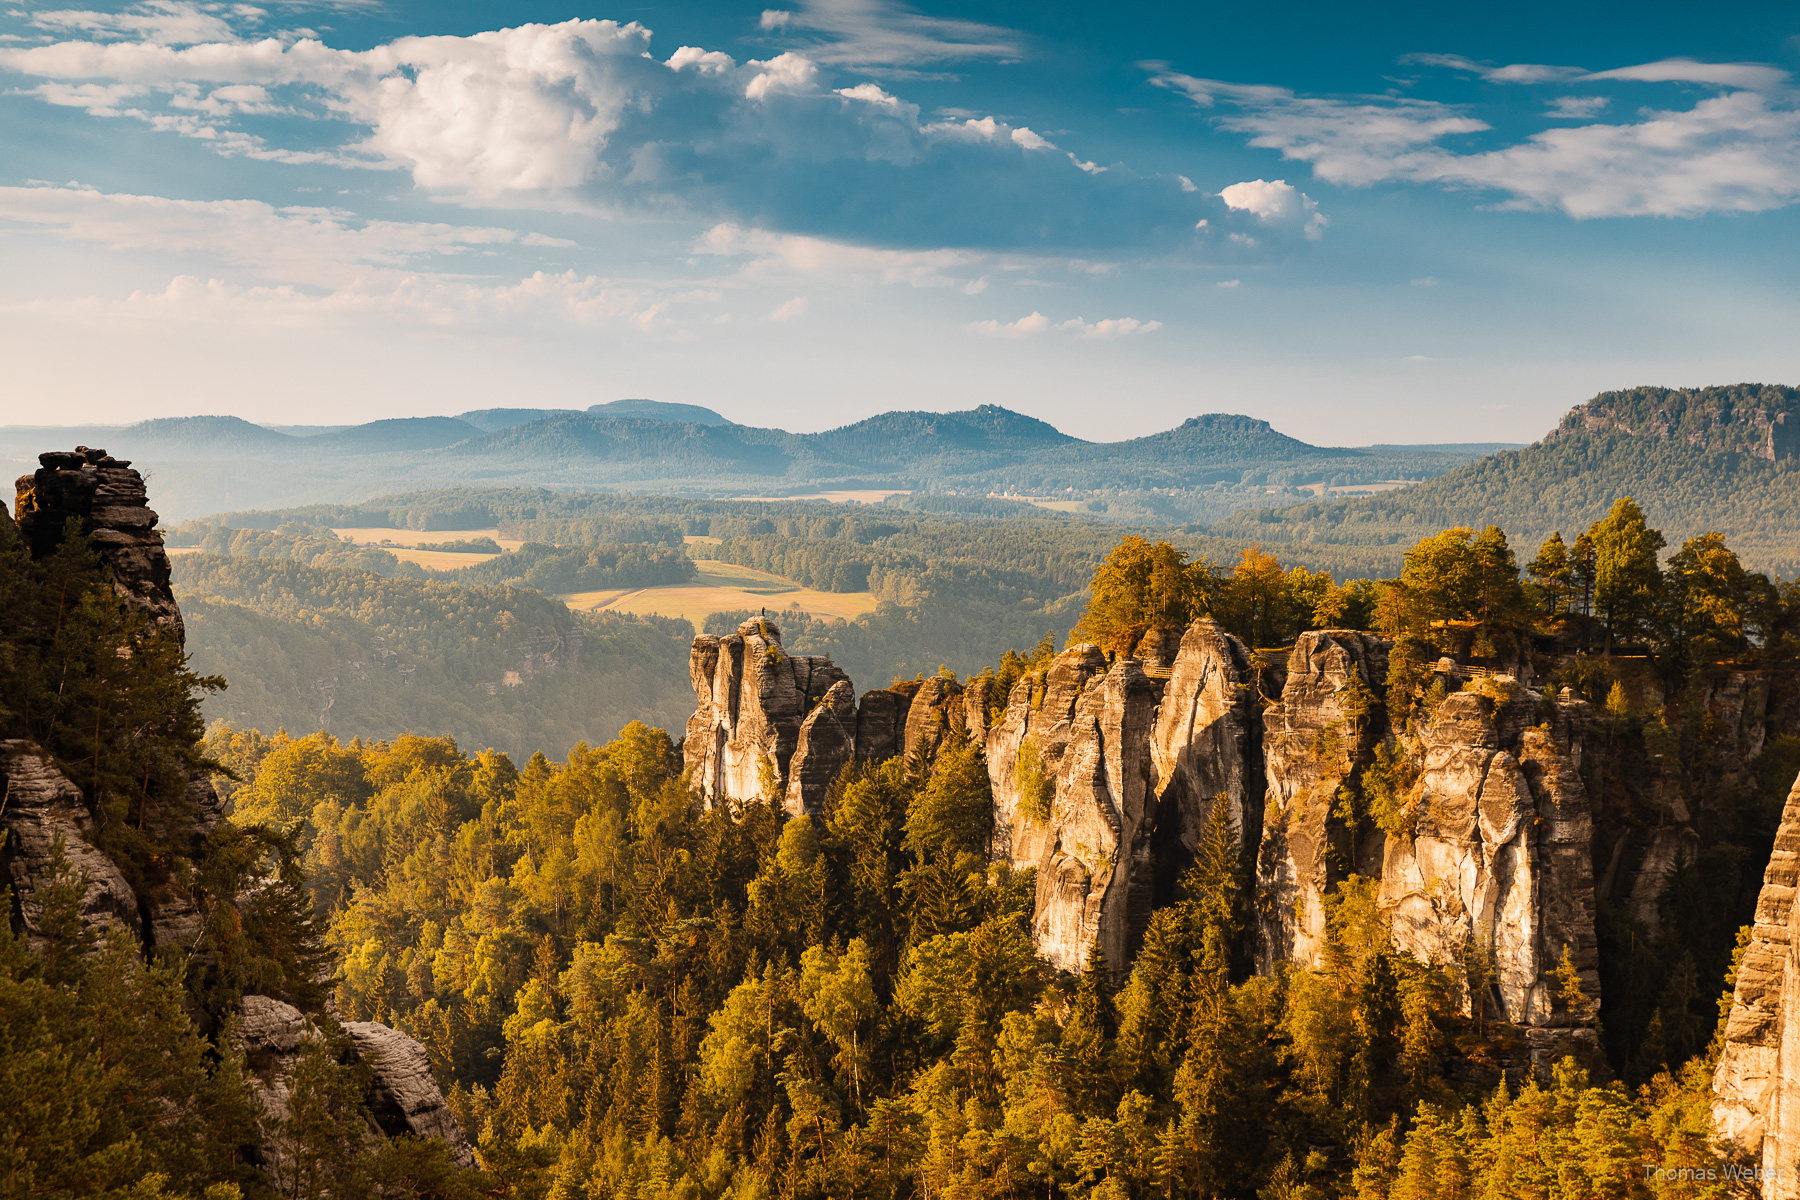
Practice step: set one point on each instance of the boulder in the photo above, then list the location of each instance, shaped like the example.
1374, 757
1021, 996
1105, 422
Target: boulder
403, 1097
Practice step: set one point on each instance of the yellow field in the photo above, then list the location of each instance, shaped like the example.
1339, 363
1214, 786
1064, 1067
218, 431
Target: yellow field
721, 587
420, 537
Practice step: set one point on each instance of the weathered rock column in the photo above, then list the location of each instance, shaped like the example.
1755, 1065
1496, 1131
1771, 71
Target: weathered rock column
752, 700
1756, 1088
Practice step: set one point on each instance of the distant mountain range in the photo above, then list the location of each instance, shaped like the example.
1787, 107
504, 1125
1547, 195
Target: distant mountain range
1199, 471
1696, 460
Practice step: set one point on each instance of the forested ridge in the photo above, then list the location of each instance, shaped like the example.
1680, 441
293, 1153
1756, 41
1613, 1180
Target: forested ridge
310, 647
1715, 458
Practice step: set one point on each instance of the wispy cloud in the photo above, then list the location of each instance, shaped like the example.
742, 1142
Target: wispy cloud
1735, 151
1037, 322
876, 33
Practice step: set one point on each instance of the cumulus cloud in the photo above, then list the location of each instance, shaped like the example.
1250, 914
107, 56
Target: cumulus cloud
581, 115
1277, 202
1735, 151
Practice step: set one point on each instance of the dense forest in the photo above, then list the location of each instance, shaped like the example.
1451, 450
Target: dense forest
309, 647
1716, 458
629, 993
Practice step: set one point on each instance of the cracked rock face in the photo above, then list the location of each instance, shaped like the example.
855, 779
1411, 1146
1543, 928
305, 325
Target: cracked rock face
1206, 743
752, 699
1756, 1087
935, 707
1069, 765
1025, 751
827, 742
403, 1097
40, 808
1495, 864
1316, 738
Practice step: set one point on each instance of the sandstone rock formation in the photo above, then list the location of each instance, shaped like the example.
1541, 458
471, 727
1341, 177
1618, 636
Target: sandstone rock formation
881, 724
41, 809
827, 741
403, 1097
107, 497
1494, 862
753, 697
935, 708
1025, 751
1756, 1087
1207, 742
1316, 739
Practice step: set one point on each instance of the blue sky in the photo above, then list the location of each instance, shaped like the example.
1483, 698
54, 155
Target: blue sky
1412, 224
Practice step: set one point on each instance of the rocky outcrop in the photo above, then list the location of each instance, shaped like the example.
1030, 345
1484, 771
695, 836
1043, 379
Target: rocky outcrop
107, 498
1491, 870
1207, 744
753, 697
827, 742
402, 1097
1316, 739
936, 708
1756, 1087
1097, 868
881, 724
40, 812
1025, 751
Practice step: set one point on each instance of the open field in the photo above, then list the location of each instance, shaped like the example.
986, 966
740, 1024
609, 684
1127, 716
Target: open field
720, 587
438, 560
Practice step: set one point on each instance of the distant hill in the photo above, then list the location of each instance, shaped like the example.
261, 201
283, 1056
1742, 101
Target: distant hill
1194, 474
396, 435
658, 410
490, 419
1696, 459
212, 434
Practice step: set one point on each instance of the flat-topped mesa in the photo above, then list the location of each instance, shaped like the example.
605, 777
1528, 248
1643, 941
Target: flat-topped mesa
107, 497
753, 698
1756, 1087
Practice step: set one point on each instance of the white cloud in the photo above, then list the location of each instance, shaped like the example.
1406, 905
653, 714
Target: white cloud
788, 310
1228, 283
403, 301
1037, 322
772, 257
1425, 281
164, 22
1755, 76
578, 115
1277, 202
1738, 151
1510, 73
1112, 327
878, 33
313, 246
1025, 326
1579, 108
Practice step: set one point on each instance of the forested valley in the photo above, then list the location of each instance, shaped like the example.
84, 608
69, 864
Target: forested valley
622, 990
